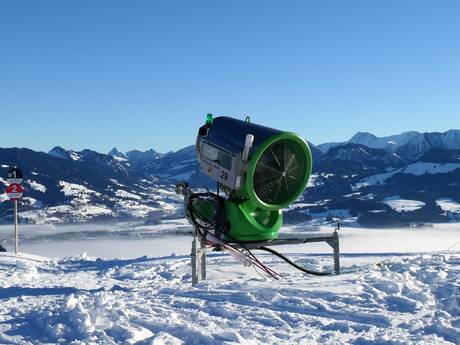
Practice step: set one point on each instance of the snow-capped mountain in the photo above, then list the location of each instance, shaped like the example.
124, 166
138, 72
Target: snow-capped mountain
143, 156
60, 152
136, 158
357, 159
383, 192
115, 153
372, 186
95, 186
86, 156
410, 145
175, 166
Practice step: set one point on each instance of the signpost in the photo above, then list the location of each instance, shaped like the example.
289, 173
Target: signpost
15, 191
14, 175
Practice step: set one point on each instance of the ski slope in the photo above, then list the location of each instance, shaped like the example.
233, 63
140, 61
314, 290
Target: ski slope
383, 296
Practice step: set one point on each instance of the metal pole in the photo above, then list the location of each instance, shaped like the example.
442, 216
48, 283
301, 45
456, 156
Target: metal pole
336, 248
193, 256
203, 259
16, 235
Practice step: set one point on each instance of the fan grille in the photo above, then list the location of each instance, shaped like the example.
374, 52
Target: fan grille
280, 172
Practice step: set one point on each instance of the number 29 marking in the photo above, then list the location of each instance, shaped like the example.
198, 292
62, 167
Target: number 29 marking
224, 176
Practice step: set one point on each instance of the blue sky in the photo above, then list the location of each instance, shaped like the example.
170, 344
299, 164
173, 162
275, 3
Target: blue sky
143, 74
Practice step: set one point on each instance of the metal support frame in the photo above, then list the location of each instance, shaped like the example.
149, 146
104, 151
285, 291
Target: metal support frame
198, 255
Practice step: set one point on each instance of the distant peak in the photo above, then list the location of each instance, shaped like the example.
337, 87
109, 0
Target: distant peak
137, 155
57, 149
363, 135
60, 152
114, 152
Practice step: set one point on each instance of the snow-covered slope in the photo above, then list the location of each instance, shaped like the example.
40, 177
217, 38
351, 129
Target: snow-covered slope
378, 299
92, 187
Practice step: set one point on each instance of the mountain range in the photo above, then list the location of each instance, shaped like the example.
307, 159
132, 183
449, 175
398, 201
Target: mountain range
409, 144
397, 180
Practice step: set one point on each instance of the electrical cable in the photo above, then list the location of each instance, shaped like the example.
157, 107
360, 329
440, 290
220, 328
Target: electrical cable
271, 272
300, 268
216, 225
204, 225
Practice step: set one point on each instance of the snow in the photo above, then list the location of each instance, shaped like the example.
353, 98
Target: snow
387, 143
416, 169
184, 176
337, 213
135, 208
73, 189
374, 180
318, 179
81, 193
89, 211
403, 205
392, 290
448, 140
32, 202
449, 205
86, 204
114, 181
120, 159
65, 213
127, 195
74, 156
37, 186
301, 205
421, 168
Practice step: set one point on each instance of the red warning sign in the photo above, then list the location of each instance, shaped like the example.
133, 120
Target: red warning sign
14, 191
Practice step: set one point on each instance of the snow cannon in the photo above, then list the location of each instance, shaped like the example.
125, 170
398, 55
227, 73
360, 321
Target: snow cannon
261, 170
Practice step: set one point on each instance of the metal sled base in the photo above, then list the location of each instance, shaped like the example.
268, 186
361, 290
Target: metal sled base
199, 248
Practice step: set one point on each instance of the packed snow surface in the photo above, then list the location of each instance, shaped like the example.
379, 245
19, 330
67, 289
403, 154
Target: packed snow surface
382, 296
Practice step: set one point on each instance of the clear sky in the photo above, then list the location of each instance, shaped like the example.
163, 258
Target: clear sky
143, 74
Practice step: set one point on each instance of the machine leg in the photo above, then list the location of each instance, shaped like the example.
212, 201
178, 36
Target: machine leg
336, 253
193, 257
202, 258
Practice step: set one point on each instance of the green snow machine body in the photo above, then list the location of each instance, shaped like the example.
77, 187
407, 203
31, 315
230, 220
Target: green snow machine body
262, 170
